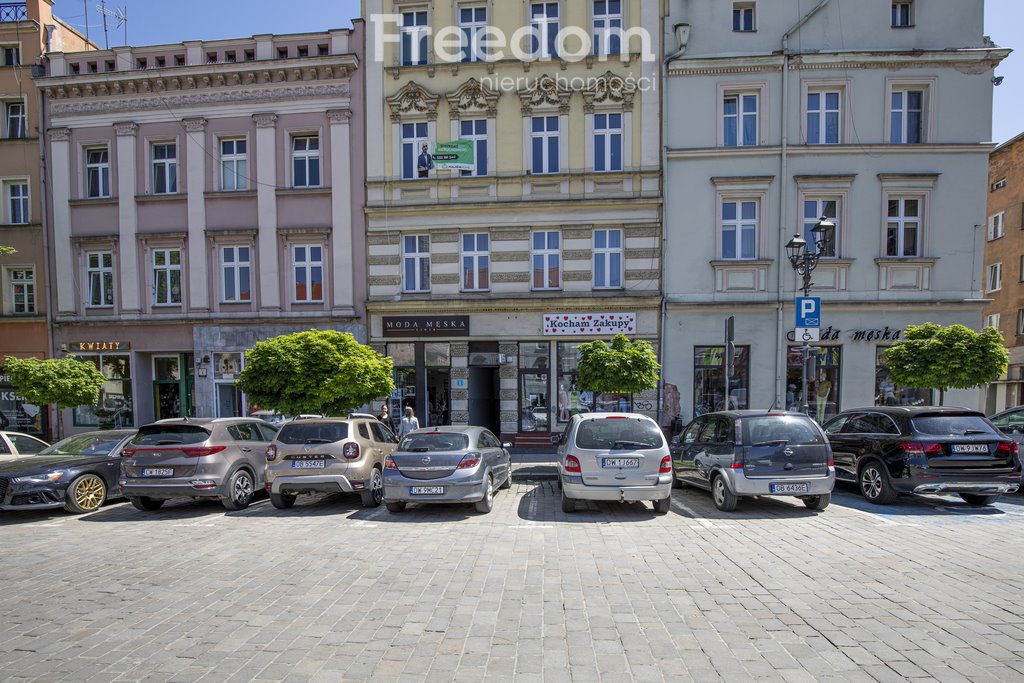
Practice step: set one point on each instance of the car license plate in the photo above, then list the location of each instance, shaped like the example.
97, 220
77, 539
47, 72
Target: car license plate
426, 490
788, 488
970, 448
621, 463
308, 464
158, 472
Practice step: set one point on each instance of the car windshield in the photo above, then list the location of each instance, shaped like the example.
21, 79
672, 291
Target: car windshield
440, 441
84, 444
170, 435
611, 433
951, 425
312, 432
789, 429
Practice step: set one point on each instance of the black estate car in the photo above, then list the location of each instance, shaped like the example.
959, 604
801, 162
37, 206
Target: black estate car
892, 450
78, 473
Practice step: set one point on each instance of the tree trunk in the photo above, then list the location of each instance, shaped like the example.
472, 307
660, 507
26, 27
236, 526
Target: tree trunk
942, 397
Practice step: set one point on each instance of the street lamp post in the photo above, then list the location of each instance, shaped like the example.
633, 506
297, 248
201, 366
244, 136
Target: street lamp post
804, 259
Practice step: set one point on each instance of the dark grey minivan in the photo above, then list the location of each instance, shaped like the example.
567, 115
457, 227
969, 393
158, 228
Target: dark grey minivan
755, 453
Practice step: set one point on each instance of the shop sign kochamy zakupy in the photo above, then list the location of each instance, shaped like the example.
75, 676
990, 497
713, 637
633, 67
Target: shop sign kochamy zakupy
583, 324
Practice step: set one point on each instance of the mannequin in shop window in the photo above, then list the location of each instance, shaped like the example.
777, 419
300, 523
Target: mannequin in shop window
822, 390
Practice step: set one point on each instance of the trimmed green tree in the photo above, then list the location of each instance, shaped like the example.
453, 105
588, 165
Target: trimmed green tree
66, 382
624, 367
319, 371
956, 357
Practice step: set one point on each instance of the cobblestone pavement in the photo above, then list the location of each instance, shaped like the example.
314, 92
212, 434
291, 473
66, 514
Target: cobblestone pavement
930, 589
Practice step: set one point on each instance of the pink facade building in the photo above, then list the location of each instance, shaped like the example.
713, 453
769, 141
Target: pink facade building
201, 197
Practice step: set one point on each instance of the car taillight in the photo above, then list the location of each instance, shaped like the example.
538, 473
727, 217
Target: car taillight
271, 453
127, 452
469, 461
918, 448
389, 463
200, 451
1008, 448
572, 464
350, 451
666, 465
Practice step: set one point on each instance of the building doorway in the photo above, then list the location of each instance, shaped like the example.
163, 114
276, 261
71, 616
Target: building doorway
173, 385
485, 398
438, 383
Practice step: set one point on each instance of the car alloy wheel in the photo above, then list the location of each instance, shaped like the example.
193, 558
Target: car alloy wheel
242, 490
871, 482
374, 496
87, 494
718, 491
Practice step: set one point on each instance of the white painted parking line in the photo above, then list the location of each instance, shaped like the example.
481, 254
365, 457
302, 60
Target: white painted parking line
692, 514
880, 518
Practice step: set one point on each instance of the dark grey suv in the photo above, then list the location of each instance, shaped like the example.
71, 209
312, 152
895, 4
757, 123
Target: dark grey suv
196, 458
755, 453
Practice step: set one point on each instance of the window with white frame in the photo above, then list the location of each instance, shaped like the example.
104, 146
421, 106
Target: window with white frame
743, 16
476, 131
414, 136
995, 226
10, 55
234, 164
902, 13
903, 230
165, 168
994, 280
544, 138
99, 276
740, 119
308, 273
16, 199
15, 120
414, 33
544, 28
824, 117
607, 142
1020, 321
97, 172
1022, 268
235, 267
21, 284
473, 27
305, 161
816, 208
416, 263
607, 27
476, 262
167, 277
739, 229
906, 116
992, 320
607, 267
546, 253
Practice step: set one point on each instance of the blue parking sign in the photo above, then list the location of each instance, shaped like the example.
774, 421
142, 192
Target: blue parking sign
808, 311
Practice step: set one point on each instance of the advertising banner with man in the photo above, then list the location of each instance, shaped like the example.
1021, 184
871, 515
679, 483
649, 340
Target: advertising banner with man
458, 155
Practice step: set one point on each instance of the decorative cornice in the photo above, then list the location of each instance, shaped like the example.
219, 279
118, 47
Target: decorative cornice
126, 129
473, 96
194, 124
411, 101
265, 120
546, 93
340, 116
59, 134
610, 90
173, 100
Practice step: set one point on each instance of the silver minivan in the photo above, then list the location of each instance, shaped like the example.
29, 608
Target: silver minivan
614, 456
755, 453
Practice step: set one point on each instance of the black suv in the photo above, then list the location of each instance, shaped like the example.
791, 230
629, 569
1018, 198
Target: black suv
893, 450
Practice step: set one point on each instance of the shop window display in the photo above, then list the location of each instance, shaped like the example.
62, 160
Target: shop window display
887, 393
534, 375
115, 405
709, 379
822, 381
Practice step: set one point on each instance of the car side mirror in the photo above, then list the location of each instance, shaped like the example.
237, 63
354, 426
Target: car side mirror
506, 444
555, 439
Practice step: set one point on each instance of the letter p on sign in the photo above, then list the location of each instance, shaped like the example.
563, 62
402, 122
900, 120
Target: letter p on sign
808, 311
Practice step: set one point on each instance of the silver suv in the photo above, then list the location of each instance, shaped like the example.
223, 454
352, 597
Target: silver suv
614, 456
195, 458
329, 455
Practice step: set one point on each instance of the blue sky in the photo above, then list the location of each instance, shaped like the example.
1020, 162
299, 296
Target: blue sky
151, 22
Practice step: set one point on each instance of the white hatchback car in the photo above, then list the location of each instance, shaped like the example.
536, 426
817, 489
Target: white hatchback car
614, 456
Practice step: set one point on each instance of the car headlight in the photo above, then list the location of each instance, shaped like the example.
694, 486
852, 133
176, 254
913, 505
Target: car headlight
47, 478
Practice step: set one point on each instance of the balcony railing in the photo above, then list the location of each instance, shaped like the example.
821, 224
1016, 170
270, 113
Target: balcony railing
13, 11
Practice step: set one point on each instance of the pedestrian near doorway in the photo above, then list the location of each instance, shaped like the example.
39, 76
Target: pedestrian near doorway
409, 423
384, 416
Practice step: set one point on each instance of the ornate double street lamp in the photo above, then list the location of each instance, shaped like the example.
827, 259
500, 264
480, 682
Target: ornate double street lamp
804, 258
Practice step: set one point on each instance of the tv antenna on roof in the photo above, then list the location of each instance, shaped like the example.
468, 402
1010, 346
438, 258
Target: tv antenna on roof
121, 14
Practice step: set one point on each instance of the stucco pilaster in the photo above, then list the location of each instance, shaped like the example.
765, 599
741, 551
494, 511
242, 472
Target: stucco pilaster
131, 283
198, 280
60, 189
266, 202
341, 216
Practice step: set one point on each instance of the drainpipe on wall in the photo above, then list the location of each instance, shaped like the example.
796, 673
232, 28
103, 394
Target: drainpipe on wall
56, 427
780, 355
